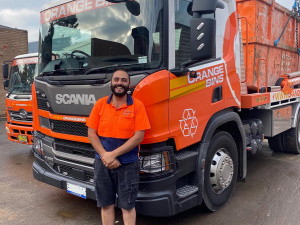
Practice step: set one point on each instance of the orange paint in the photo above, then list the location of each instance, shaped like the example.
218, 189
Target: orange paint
13, 125
18, 127
157, 86
266, 21
251, 100
233, 90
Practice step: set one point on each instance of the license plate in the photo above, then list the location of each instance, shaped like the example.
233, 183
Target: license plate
76, 190
22, 138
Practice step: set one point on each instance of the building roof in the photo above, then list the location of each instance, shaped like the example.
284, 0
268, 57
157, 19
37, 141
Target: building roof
5, 27
1, 26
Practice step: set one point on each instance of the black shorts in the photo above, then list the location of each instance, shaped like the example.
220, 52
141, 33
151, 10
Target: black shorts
122, 183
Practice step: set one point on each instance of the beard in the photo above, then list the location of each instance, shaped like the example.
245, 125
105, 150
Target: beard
119, 94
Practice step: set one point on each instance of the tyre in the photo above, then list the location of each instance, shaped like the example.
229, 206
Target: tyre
291, 139
221, 167
276, 143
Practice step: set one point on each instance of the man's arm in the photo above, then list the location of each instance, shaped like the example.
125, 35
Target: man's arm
96, 143
135, 140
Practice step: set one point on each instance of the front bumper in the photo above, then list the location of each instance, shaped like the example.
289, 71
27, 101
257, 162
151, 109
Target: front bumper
13, 131
155, 198
157, 194
44, 173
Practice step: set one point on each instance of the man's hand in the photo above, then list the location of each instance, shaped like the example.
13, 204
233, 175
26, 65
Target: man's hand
114, 165
107, 158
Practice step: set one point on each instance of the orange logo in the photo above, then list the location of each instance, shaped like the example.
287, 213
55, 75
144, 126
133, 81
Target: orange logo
126, 112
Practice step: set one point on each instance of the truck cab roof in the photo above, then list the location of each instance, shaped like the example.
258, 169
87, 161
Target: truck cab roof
30, 55
54, 3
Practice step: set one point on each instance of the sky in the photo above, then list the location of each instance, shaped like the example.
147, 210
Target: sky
24, 14
286, 3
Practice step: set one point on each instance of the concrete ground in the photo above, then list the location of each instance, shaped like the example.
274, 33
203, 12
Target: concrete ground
270, 196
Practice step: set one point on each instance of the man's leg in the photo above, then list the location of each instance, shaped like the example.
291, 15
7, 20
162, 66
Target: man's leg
129, 216
105, 192
108, 215
128, 186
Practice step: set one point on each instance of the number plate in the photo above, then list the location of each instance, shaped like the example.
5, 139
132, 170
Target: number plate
76, 190
22, 138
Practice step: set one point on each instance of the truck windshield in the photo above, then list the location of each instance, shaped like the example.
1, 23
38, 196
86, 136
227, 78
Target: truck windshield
21, 78
90, 36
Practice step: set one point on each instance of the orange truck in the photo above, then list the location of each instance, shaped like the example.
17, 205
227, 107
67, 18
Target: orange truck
18, 98
212, 81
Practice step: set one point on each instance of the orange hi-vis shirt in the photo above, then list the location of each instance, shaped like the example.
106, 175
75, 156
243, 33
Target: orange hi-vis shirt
116, 125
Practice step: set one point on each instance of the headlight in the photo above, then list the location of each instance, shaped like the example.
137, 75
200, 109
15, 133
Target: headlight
155, 163
38, 145
7, 130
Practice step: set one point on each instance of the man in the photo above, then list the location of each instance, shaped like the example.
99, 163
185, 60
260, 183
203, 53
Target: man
117, 124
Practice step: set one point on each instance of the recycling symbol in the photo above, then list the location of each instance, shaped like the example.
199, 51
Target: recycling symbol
189, 123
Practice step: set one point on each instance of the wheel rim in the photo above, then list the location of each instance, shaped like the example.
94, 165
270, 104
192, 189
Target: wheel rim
221, 171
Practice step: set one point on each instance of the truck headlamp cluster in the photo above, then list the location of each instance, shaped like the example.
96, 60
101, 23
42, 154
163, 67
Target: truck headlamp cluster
42, 100
155, 163
38, 146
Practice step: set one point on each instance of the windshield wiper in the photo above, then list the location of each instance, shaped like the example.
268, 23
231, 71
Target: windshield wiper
15, 89
61, 71
14, 79
8, 94
98, 69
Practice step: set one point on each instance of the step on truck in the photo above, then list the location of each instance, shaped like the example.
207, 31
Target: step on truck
212, 81
18, 101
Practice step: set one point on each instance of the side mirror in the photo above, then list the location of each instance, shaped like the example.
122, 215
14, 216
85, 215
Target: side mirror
5, 84
5, 71
219, 5
133, 7
203, 38
141, 40
204, 6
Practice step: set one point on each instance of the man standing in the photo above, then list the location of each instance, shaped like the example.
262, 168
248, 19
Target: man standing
117, 124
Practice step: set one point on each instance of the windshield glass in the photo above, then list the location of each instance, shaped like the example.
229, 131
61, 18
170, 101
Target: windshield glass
80, 36
22, 76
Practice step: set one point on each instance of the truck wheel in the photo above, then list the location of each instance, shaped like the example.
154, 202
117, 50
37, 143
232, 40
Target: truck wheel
276, 143
291, 139
221, 166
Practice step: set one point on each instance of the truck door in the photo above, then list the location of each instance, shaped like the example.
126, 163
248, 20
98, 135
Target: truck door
192, 100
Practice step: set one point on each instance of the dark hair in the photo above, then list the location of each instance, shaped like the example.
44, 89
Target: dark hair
121, 69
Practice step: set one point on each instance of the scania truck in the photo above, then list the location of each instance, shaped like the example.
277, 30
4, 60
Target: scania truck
212, 81
18, 100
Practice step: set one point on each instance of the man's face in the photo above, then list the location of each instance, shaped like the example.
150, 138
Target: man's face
120, 83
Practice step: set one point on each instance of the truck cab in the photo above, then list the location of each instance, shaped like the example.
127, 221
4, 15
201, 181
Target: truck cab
18, 98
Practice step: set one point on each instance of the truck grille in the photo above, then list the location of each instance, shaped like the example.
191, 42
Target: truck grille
74, 161
68, 171
72, 128
75, 148
20, 116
